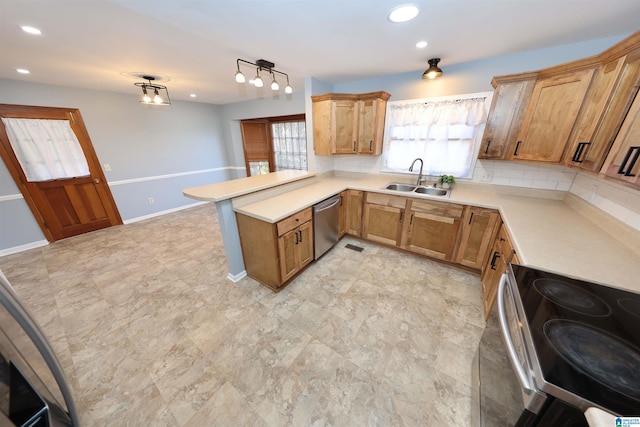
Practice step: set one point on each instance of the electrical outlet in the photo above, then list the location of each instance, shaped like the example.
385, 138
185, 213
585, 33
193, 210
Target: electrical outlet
150, 199
107, 167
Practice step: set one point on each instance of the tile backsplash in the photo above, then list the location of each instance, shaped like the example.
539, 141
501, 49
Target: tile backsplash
520, 174
623, 203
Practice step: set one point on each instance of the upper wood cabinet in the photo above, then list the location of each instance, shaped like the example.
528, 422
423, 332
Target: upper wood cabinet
349, 123
605, 110
623, 161
509, 104
551, 115
479, 226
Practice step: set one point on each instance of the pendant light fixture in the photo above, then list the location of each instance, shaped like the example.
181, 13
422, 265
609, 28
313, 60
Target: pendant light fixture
262, 65
153, 93
433, 71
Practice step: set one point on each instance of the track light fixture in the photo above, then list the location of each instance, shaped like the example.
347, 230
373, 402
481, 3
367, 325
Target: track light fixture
152, 93
433, 71
262, 65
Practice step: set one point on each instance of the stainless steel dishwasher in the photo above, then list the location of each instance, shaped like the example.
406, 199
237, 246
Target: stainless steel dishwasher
325, 225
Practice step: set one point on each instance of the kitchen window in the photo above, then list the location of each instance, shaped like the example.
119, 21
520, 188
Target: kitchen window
289, 141
443, 132
274, 143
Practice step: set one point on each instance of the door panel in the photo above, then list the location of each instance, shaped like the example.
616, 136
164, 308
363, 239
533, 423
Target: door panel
62, 207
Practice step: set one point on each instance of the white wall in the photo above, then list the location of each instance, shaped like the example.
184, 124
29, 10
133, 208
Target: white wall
152, 152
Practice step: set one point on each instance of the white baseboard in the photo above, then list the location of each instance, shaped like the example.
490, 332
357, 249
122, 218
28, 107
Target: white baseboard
155, 214
235, 278
21, 248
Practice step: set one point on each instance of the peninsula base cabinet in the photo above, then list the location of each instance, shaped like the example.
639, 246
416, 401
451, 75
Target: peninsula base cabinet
275, 253
502, 254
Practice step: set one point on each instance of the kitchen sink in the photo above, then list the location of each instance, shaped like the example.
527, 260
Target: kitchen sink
418, 189
399, 187
431, 191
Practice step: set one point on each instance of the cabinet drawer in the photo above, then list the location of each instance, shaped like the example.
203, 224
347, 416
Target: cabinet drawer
439, 209
386, 200
293, 221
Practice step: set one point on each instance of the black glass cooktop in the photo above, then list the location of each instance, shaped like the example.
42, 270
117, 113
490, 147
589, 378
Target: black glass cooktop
586, 337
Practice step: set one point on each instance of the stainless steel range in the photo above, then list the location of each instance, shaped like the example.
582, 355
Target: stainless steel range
572, 345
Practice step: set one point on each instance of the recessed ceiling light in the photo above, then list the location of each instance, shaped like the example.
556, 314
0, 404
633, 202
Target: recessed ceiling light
22, 70
421, 44
31, 30
403, 13
193, 95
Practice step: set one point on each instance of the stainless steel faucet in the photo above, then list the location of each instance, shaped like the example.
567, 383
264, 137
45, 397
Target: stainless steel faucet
420, 178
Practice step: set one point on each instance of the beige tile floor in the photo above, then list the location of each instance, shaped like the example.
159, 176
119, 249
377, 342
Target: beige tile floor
150, 331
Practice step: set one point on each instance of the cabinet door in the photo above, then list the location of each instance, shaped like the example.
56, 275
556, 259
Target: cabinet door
382, 224
345, 127
550, 117
322, 129
585, 150
509, 104
342, 214
354, 212
287, 246
432, 235
477, 236
304, 249
371, 126
623, 162
501, 255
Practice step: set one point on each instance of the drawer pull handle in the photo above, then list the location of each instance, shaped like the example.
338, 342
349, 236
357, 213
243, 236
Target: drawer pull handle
496, 255
579, 151
515, 152
627, 156
486, 150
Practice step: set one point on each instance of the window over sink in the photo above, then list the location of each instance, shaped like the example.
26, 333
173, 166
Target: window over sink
444, 132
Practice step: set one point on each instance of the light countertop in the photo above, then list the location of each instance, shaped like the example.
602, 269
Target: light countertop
237, 187
548, 233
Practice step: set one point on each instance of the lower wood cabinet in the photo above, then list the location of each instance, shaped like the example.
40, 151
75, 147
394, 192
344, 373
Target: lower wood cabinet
382, 218
502, 254
479, 227
431, 228
342, 214
354, 212
274, 253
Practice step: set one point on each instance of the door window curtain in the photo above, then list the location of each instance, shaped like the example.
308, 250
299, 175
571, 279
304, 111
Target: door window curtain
46, 149
441, 133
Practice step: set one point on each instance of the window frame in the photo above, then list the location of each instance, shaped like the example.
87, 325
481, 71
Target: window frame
476, 140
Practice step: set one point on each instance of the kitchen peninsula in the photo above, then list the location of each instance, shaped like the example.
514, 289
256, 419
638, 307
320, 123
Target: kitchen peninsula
551, 230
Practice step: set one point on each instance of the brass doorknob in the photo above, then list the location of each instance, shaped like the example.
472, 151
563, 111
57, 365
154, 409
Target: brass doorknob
96, 180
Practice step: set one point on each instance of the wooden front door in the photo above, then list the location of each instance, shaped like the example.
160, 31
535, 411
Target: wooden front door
62, 207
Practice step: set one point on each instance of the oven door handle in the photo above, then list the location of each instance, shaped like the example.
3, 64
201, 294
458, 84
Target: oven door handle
504, 327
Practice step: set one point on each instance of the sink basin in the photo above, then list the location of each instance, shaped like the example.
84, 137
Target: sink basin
399, 187
431, 191
417, 189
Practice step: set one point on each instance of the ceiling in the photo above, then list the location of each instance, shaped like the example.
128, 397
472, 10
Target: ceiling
193, 44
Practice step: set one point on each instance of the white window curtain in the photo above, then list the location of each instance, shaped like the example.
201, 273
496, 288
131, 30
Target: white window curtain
441, 132
289, 145
46, 149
